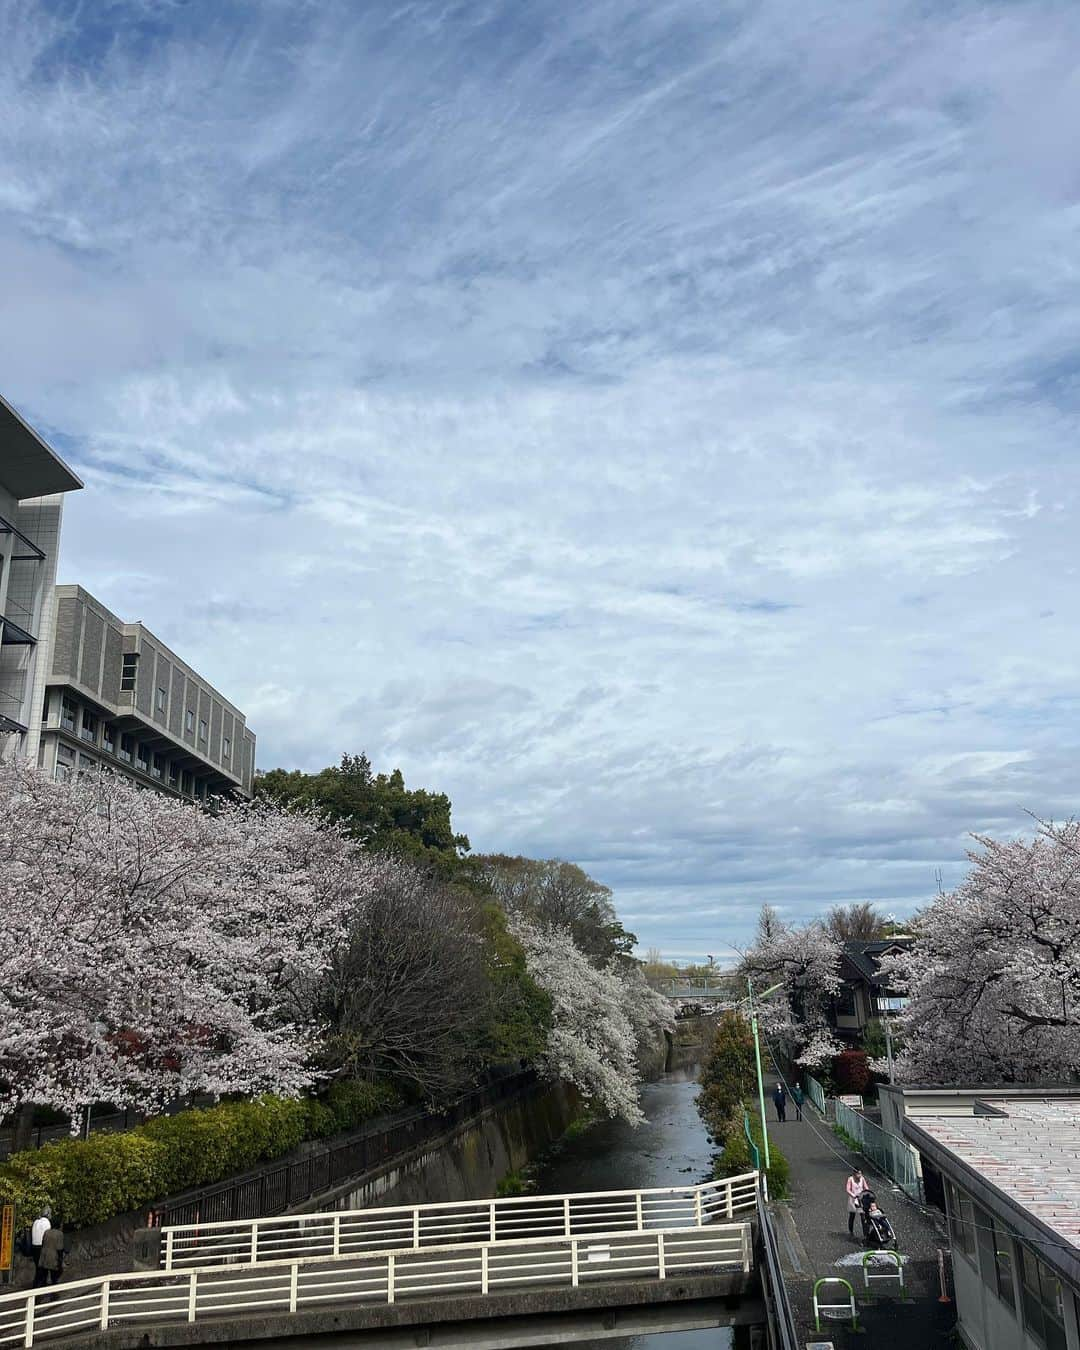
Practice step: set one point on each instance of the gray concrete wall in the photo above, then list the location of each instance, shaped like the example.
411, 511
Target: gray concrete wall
467, 1165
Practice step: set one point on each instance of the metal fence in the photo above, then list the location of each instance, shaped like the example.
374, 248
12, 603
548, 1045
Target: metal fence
785, 1334
816, 1093
896, 1158
339, 1233
279, 1188
29, 1318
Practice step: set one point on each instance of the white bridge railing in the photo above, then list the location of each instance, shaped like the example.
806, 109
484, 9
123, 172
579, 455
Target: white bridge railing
350, 1232
32, 1317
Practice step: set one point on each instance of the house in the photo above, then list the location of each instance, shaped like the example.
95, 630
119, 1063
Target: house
1009, 1160
864, 995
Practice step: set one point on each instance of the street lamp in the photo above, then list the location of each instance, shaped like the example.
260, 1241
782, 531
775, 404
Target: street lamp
757, 1058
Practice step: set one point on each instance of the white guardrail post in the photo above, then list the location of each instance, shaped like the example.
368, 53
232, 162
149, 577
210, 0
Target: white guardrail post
573, 1263
337, 1235
29, 1325
294, 1285
170, 1235
193, 1293
661, 1259
103, 1321
390, 1278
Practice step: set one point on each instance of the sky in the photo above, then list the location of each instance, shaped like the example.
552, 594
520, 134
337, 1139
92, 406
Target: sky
651, 422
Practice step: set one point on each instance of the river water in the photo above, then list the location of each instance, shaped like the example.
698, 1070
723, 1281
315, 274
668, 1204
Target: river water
669, 1149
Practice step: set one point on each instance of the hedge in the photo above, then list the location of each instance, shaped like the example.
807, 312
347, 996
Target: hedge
87, 1181
736, 1157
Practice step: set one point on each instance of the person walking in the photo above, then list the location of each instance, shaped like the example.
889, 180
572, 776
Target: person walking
797, 1098
51, 1261
780, 1102
855, 1185
38, 1229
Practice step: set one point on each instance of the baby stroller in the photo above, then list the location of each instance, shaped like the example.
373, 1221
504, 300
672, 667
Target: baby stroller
877, 1230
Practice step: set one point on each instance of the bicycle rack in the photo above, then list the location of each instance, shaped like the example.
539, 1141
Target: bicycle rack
895, 1273
848, 1309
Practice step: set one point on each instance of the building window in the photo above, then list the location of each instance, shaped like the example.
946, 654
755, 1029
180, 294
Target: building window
185, 782
128, 670
202, 729
69, 710
960, 1221
142, 758
226, 747
65, 763
86, 763
1044, 1310
845, 1001
158, 767
995, 1256
108, 738
189, 720
127, 748
162, 699
174, 776
89, 726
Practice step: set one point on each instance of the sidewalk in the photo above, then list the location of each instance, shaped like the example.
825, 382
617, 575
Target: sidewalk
814, 1242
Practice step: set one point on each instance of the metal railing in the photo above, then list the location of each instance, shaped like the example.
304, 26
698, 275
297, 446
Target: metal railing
349, 1232
275, 1189
816, 1093
385, 1277
782, 1319
896, 1158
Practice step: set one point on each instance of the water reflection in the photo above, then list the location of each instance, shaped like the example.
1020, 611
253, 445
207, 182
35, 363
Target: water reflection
669, 1149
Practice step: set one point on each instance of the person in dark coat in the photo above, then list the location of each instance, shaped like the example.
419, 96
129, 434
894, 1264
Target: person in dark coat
780, 1101
797, 1098
51, 1260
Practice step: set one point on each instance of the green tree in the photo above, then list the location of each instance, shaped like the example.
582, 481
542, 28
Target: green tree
727, 1076
557, 894
378, 809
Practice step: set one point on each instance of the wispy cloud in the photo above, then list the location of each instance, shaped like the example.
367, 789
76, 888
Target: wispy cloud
653, 424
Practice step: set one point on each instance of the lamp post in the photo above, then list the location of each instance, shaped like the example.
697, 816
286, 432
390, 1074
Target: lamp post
757, 1060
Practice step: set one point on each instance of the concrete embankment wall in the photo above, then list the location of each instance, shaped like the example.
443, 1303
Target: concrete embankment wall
468, 1163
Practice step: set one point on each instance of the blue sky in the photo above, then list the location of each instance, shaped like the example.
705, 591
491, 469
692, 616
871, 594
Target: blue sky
653, 424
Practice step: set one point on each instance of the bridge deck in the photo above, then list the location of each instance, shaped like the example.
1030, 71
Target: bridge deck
296, 1298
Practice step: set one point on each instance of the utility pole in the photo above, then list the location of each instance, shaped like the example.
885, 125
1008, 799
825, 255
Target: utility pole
888, 1044
760, 1081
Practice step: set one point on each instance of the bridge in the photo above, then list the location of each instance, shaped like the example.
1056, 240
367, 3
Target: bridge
513, 1271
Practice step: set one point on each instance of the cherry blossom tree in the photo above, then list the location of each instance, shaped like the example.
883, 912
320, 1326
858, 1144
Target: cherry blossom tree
151, 949
806, 963
993, 978
592, 1041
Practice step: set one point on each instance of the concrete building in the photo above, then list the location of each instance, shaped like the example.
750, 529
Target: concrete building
115, 695
1009, 1161
33, 480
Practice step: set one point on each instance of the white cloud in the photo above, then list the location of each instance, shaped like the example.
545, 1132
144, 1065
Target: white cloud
653, 426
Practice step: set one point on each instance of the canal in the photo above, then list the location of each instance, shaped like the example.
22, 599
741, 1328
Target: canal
669, 1149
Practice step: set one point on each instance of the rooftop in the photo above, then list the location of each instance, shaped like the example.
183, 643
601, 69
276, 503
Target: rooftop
1025, 1151
29, 467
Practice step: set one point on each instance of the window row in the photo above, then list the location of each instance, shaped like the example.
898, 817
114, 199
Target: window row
87, 725
180, 780
1008, 1268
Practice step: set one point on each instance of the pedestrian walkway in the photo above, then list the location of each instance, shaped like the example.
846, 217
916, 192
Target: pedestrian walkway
814, 1242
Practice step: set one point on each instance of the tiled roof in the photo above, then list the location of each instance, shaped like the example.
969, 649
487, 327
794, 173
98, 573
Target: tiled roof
1030, 1153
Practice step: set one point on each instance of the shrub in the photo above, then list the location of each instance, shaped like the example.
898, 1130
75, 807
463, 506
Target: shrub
736, 1157
87, 1181
850, 1071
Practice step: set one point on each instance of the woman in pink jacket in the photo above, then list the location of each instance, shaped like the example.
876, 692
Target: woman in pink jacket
855, 1185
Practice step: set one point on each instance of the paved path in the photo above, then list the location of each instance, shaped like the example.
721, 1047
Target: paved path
814, 1242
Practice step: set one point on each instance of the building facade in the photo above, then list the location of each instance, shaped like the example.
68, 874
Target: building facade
116, 696
1009, 1160
864, 995
33, 480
